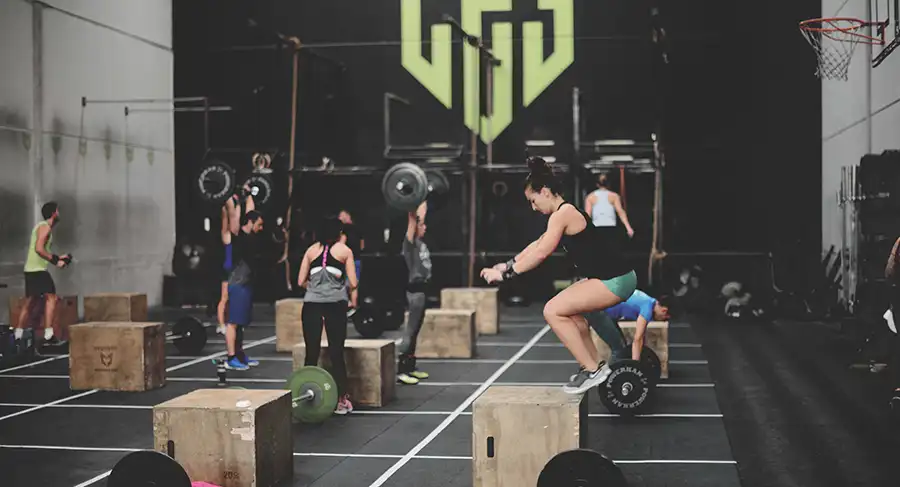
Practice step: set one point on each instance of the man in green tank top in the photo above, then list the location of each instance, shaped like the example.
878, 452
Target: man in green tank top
38, 282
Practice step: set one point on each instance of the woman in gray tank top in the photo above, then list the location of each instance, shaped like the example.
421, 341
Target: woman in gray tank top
327, 271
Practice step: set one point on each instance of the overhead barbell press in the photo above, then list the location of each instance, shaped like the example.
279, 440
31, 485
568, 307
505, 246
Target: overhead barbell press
405, 186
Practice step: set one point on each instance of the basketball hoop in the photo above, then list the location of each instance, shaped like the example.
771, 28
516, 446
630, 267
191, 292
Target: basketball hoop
834, 39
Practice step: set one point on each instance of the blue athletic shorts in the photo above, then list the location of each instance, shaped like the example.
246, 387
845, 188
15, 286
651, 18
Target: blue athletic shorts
240, 304
358, 268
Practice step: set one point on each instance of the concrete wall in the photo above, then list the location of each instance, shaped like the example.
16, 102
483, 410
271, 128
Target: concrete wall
112, 175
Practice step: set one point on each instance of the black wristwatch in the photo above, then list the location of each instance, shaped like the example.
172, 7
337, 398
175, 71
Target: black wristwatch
509, 273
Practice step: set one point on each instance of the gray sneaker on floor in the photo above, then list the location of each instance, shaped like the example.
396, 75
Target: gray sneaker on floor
584, 380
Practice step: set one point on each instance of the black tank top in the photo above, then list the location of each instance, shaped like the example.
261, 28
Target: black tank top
596, 252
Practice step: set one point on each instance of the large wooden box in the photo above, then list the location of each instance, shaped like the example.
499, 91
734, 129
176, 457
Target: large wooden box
288, 323
229, 437
66, 314
481, 299
518, 429
447, 333
117, 356
656, 337
115, 307
371, 369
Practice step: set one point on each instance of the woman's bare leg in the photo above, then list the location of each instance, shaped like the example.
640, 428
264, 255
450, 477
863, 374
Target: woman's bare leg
581, 297
585, 330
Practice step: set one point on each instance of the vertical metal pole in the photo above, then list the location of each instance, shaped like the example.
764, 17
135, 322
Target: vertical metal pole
206, 125
576, 145
473, 165
845, 265
387, 123
489, 125
291, 157
37, 109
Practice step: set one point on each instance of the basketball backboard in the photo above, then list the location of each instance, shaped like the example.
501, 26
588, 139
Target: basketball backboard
885, 11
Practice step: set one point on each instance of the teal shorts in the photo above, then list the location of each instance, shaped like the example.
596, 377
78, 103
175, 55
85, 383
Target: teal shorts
622, 286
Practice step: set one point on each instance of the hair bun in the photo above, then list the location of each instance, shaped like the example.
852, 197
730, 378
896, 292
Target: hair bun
538, 165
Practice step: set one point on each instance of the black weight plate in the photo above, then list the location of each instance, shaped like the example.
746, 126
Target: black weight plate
260, 188
650, 362
189, 335
405, 187
148, 468
437, 182
366, 323
627, 389
581, 468
216, 182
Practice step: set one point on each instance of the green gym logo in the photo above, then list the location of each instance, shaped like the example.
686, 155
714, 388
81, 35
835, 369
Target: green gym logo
538, 72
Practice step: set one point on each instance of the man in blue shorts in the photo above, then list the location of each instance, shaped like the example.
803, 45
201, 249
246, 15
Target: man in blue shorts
244, 249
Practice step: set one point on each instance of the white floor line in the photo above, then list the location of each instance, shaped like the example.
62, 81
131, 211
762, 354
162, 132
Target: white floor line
461, 408
93, 391
95, 479
338, 455
253, 380
362, 412
32, 364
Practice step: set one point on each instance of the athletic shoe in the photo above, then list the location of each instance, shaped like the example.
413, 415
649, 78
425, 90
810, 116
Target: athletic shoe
418, 374
247, 360
602, 365
235, 364
344, 406
585, 380
407, 379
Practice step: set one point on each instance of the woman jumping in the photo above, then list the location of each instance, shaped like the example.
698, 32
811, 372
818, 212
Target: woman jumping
597, 255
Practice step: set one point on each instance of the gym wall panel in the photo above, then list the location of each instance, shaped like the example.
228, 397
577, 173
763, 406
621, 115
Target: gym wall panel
149, 19
842, 150
15, 124
81, 59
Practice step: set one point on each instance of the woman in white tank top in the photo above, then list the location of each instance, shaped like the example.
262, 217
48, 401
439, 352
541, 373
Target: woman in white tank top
603, 205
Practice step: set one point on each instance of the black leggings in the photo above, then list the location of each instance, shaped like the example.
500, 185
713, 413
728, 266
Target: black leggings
334, 317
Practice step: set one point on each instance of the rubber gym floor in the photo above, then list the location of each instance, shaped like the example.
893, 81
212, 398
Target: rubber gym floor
744, 405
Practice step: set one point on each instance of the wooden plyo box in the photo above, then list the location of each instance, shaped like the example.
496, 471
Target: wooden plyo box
229, 437
288, 324
483, 300
523, 427
66, 314
447, 333
115, 307
117, 356
371, 369
656, 337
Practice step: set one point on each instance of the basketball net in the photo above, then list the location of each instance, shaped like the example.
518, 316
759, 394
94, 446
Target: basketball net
834, 40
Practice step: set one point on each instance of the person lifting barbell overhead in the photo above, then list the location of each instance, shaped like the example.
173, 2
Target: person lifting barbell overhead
38, 281
598, 257
603, 205
328, 271
230, 214
418, 263
240, 289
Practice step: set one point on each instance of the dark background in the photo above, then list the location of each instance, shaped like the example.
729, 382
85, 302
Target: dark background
738, 108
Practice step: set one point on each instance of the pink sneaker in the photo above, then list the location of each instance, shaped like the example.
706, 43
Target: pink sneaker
344, 405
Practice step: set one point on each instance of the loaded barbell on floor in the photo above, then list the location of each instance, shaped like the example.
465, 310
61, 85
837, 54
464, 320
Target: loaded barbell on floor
405, 186
629, 387
188, 335
314, 394
148, 467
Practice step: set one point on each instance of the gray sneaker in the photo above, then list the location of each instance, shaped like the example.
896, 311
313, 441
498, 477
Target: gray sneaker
584, 380
602, 365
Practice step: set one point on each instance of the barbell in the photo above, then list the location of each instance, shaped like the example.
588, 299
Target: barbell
314, 394
405, 186
188, 335
217, 181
